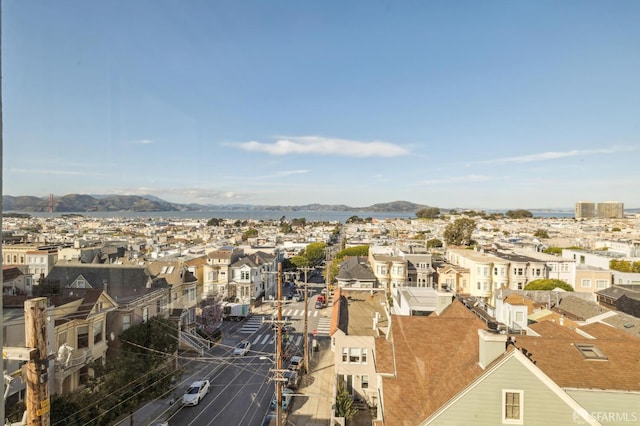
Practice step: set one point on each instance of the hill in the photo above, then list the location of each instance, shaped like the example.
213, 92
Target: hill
134, 203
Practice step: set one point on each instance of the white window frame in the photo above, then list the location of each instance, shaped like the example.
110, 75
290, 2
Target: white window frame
599, 284
520, 420
585, 283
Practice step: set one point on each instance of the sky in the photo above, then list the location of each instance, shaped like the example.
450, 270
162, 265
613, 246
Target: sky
452, 104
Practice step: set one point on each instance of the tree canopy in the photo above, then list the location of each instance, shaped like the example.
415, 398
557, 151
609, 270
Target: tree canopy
428, 213
541, 233
459, 231
518, 214
548, 284
434, 242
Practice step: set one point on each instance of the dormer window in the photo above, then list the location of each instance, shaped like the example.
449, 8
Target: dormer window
590, 351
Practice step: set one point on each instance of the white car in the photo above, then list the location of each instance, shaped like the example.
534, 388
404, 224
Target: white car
242, 349
196, 392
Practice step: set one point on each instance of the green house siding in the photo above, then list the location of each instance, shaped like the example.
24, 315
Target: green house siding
609, 407
482, 405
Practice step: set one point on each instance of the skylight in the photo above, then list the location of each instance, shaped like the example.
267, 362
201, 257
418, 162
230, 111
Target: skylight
590, 351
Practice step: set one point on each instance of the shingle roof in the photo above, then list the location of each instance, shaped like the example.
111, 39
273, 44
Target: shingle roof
616, 292
435, 357
555, 353
579, 309
353, 269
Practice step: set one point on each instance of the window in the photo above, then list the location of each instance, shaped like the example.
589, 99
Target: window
519, 316
512, 406
244, 275
479, 286
520, 287
586, 283
126, 322
590, 351
364, 381
83, 336
564, 267
354, 355
601, 283
97, 332
145, 314
363, 357
62, 338
345, 355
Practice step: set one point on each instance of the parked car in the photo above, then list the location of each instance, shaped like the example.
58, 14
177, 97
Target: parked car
196, 392
295, 363
297, 297
293, 379
242, 348
287, 396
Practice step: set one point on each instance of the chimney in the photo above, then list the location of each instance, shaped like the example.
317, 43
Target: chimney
491, 346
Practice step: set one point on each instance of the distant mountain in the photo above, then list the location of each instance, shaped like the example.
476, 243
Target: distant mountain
134, 203
87, 203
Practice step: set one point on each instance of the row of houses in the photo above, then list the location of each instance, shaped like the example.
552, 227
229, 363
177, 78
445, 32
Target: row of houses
92, 303
455, 367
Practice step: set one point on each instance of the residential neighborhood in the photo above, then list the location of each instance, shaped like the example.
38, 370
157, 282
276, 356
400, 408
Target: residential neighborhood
384, 321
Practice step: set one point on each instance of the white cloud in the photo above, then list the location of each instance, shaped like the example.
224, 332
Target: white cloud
554, 155
326, 146
454, 179
47, 172
142, 142
284, 173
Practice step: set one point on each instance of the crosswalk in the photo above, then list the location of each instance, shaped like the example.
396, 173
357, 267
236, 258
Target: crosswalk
299, 313
251, 325
270, 338
324, 324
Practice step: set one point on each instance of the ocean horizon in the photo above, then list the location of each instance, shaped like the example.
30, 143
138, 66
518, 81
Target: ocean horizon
250, 214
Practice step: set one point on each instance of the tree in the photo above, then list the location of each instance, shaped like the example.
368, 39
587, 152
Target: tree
541, 233
428, 213
553, 250
215, 222
459, 231
548, 284
434, 242
249, 233
315, 252
300, 261
518, 214
344, 404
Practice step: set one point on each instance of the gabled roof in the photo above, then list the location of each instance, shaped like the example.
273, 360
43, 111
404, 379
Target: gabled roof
434, 358
173, 272
556, 354
354, 269
579, 309
10, 272
124, 283
616, 292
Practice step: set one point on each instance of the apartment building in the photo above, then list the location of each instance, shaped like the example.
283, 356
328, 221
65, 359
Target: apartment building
610, 210
252, 277
585, 210
482, 267
216, 274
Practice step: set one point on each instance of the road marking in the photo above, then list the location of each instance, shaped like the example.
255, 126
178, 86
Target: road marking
315, 313
298, 340
267, 337
324, 325
273, 340
255, 342
295, 313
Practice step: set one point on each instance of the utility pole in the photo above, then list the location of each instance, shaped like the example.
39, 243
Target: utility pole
35, 318
279, 350
306, 320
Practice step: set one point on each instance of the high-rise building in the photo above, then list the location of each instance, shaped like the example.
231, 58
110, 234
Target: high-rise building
610, 210
585, 210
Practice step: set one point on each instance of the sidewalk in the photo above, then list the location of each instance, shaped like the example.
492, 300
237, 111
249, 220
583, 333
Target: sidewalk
313, 401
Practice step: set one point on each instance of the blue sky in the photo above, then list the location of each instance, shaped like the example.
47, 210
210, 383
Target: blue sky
476, 104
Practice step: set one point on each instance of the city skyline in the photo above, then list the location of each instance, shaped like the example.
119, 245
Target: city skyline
492, 105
